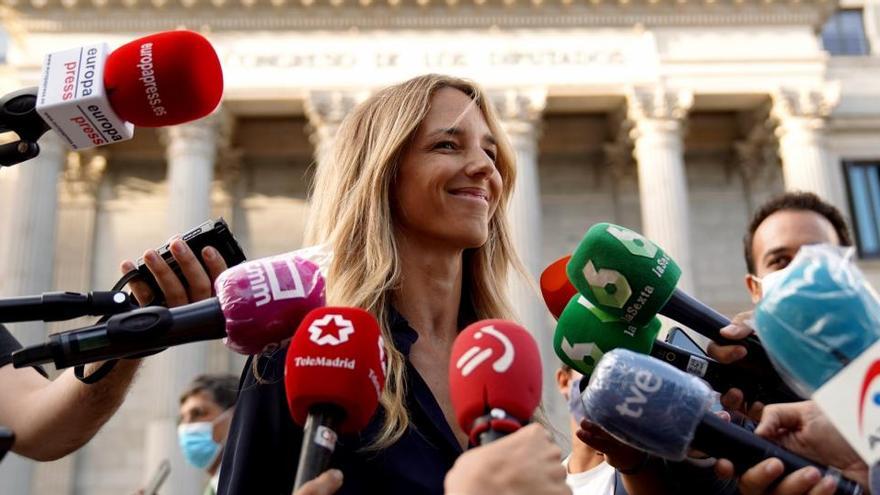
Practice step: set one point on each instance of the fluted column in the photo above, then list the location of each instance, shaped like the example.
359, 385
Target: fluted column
28, 257
801, 116
520, 112
325, 111
191, 151
75, 247
658, 128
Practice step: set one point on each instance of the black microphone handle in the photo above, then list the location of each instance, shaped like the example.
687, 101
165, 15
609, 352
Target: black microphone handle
490, 435
24, 308
721, 377
319, 442
695, 315
135, 332
58, 306
718, 438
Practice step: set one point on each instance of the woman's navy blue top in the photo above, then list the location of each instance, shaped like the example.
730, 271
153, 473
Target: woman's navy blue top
262, 449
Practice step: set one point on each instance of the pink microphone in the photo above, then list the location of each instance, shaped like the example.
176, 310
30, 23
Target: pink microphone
264, 300
259, 305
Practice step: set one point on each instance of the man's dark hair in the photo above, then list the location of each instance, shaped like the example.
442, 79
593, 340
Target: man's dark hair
804, 201
223, 389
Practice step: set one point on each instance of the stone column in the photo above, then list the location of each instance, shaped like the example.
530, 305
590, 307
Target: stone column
191, 151
520, 112
75, 247
756, 156
801, 116
658, 127
325, 111
28, 257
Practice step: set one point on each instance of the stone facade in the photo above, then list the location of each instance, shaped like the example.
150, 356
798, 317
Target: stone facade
675, 118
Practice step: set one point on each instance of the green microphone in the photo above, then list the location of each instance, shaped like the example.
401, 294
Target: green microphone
623, 273
628, 276
584, 333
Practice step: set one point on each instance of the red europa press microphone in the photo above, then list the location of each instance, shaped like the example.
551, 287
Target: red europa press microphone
92, 97
334, 375
555, 286
494, 379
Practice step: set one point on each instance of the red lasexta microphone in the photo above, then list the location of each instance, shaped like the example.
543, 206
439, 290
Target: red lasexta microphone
556, 288
494, 379
334, 375
164, 79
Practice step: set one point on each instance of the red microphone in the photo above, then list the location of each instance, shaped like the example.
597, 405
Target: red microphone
494, 379
164, 79
91, 97
556, 288
334, 375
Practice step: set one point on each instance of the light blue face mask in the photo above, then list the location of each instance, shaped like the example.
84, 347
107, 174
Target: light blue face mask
575, 404
197, 443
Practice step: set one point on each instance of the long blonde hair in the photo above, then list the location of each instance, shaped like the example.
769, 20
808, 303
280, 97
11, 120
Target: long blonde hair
351, 214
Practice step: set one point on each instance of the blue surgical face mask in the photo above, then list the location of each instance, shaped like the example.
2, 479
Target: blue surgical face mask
575, 404
197, 443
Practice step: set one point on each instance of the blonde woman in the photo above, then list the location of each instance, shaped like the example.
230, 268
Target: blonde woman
409, 214
411, 206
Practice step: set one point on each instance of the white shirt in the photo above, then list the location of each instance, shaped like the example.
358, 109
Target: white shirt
596, 481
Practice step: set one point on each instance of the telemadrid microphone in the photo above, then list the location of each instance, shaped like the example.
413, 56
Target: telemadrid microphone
258, 304
654, 407
91, 96
630, 277
494, 379
334, 375
584, 333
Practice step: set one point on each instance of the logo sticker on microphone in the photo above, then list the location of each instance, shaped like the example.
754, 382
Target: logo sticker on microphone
266, 286
609, 286
330, 330
869, 398
587, 352
476, 355
634, 242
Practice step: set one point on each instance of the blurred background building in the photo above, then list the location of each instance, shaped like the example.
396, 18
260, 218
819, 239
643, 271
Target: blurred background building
672, 117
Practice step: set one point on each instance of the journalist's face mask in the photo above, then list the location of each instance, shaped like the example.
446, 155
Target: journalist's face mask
197, 443
575, 404
770, 281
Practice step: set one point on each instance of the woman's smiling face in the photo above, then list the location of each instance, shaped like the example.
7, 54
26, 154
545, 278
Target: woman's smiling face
448, 187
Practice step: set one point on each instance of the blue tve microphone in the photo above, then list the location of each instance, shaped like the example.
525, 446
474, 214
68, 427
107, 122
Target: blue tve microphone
654, 407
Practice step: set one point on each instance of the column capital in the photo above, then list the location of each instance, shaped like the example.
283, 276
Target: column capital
805, 103
520, 111
756, 152
325, 111
213, 130
83, 172
619, 150
658, 103
525, 105
328, 108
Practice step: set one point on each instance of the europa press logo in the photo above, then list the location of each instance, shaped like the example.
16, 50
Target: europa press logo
330, 330
869, 401
477, 355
